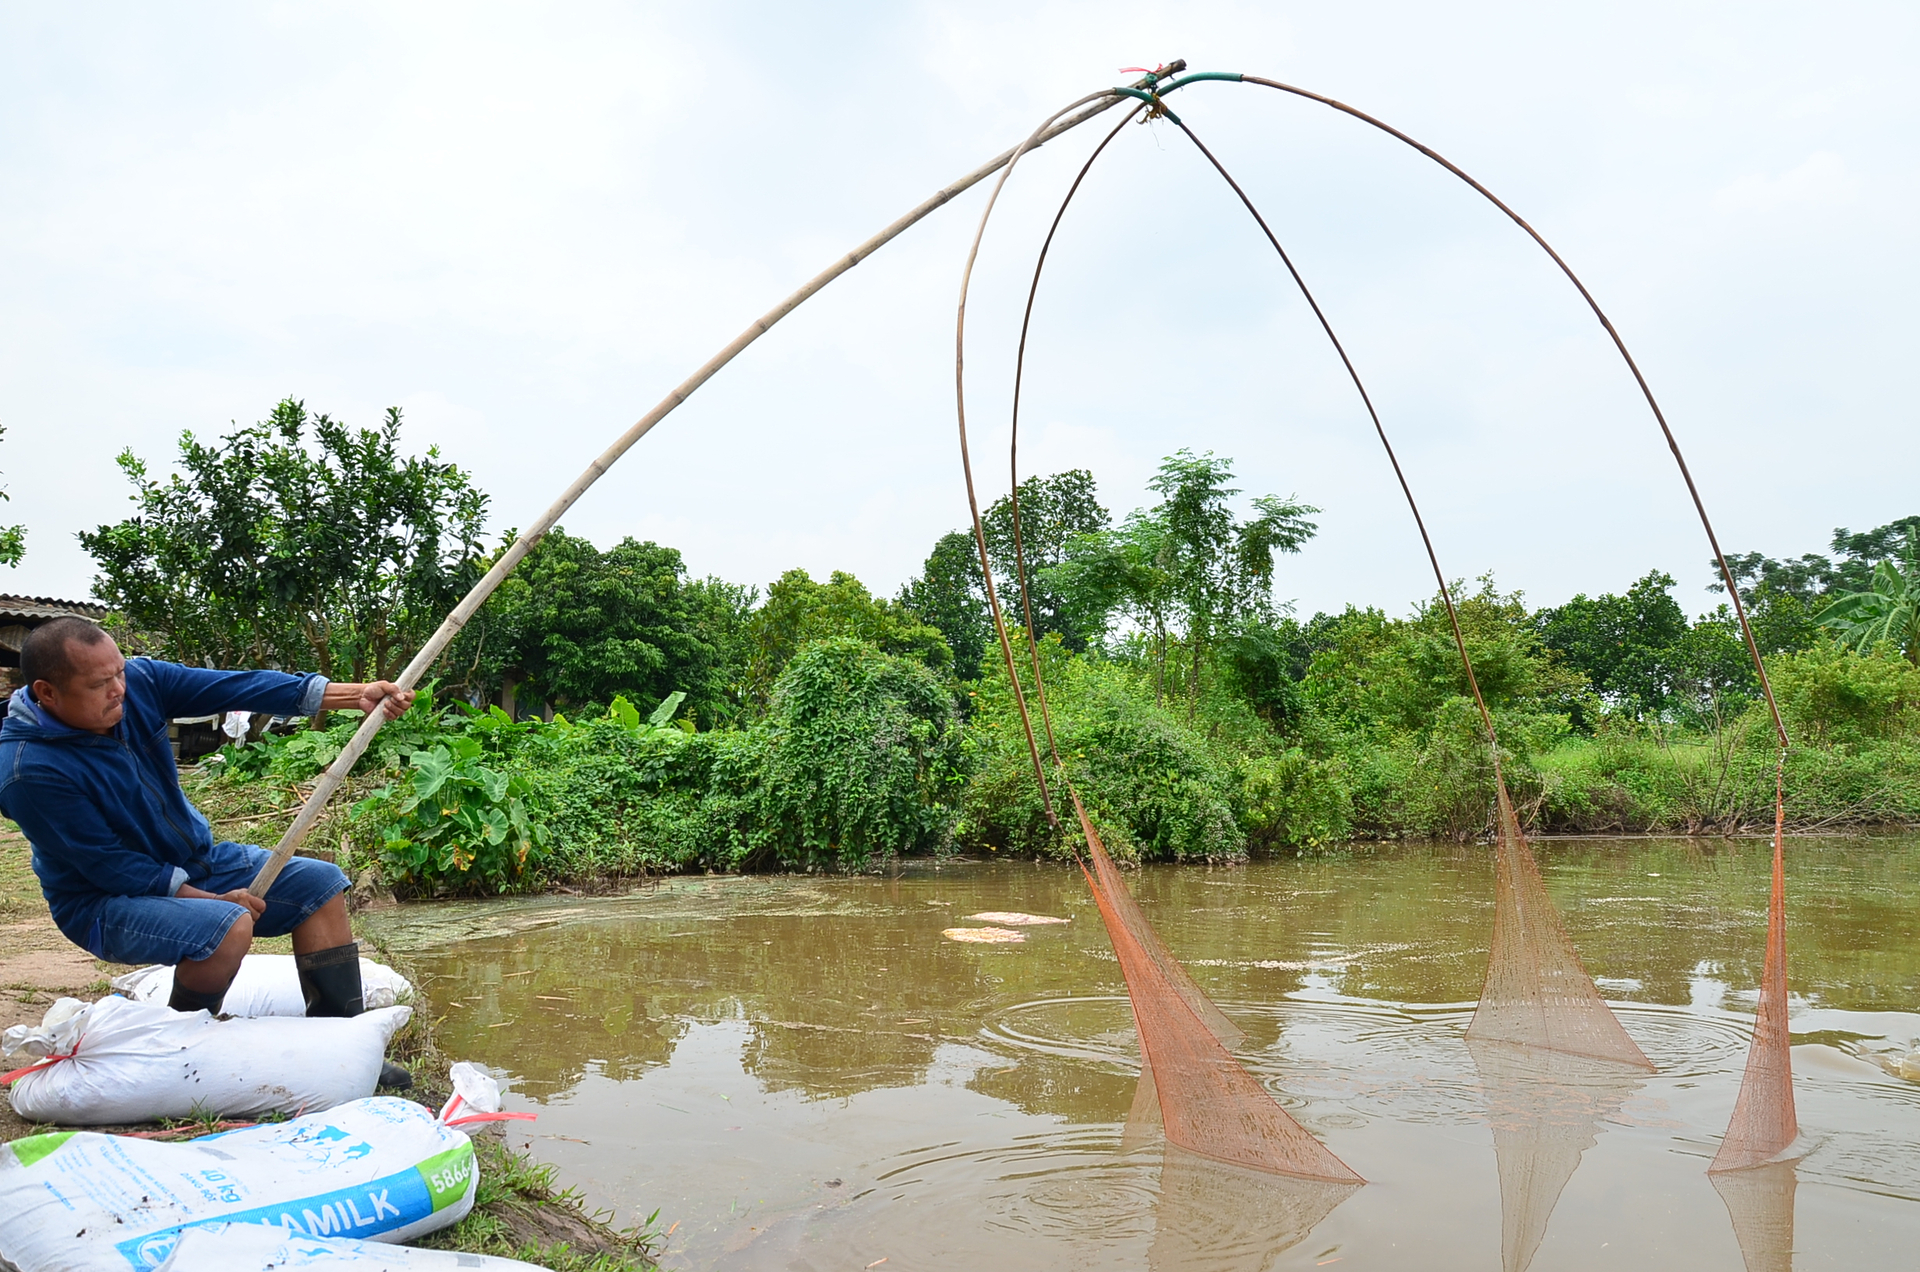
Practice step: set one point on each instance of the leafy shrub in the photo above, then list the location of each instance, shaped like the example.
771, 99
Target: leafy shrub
1831, 694
1293, 800
301, 755
1153, 787
861, 758
450, 821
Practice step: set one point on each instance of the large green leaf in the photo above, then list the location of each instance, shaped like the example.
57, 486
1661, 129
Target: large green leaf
664, 712
431, 769
624, 713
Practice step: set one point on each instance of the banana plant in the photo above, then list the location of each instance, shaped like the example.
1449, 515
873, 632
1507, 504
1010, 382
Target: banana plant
1889, 610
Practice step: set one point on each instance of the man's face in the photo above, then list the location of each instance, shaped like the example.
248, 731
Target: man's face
94, 697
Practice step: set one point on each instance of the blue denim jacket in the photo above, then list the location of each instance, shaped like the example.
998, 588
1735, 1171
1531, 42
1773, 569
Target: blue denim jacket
104, 812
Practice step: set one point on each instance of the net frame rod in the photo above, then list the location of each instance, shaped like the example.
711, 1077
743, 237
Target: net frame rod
1013, 443
1613, 334
966, 454
330, 781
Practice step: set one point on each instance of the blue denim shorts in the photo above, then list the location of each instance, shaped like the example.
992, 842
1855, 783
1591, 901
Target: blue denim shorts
173, 929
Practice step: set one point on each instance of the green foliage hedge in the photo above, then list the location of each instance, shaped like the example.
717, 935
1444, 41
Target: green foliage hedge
1154, 788
864, 755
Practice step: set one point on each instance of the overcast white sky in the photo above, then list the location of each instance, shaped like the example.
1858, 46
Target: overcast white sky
525, 224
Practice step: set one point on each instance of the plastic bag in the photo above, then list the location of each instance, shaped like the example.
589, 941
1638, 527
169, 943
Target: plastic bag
379, 1168
118, 1062
248, 1247
266, 985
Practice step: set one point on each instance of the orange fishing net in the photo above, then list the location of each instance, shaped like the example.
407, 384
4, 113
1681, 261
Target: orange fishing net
1209, 1104
1537, 994
1764, 1123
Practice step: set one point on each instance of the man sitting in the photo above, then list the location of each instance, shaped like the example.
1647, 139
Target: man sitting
129, 868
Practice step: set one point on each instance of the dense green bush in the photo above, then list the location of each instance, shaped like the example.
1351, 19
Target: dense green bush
452, 819
860, 757
1294, 800
1833, 695
1154, 788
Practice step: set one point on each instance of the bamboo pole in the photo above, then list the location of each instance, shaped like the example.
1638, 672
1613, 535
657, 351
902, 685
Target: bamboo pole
330, 781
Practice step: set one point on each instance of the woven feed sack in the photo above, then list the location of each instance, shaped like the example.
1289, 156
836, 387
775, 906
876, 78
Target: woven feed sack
382, 1168
128, 1062
251, 1247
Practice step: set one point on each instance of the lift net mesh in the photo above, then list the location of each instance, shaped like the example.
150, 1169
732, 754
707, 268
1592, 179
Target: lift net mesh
1537, 994
1209, 1104
1764, 1124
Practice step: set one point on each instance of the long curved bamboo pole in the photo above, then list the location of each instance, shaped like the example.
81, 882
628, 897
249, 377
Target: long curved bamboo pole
330, 781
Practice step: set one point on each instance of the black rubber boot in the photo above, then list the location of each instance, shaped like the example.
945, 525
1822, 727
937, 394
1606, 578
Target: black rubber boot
184, 999
330, 982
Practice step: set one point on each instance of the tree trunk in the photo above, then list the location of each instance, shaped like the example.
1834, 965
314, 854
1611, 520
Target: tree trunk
1160, 667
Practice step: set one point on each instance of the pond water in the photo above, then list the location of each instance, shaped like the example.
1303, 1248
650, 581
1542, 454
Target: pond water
805, 1073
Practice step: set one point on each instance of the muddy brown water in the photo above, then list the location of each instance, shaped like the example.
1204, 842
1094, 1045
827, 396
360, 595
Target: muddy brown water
804, 1073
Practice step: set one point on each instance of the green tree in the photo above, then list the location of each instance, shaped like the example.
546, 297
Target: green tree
1189, 562
1127, 572
799, 611
274, 547
1371, 672
1624, 645
574, 627
947, 595
1054, 512
1888, 609
1645, 659
13, 539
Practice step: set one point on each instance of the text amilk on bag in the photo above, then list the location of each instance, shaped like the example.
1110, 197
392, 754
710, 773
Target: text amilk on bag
379, 1168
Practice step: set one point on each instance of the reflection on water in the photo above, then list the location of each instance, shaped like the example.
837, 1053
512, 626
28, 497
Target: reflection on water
1216, 1217
803, 1073
1544, 1109
1760, 1203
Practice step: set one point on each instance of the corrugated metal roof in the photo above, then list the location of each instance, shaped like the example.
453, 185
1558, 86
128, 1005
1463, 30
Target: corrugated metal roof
14, 608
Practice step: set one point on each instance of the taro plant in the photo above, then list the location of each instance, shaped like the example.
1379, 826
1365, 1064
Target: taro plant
451, 821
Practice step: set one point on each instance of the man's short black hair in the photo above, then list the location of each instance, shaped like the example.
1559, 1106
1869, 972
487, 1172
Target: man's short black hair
47, 652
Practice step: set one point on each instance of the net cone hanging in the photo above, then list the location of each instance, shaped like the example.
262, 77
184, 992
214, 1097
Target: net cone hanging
1764, 1123
1209, 1104
1537, 994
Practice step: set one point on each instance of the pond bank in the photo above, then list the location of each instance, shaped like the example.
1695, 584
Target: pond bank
519, 1212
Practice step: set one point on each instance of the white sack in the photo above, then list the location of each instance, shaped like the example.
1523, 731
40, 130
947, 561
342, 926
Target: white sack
135, 1062
248, 1247
266, 985
379, 1168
